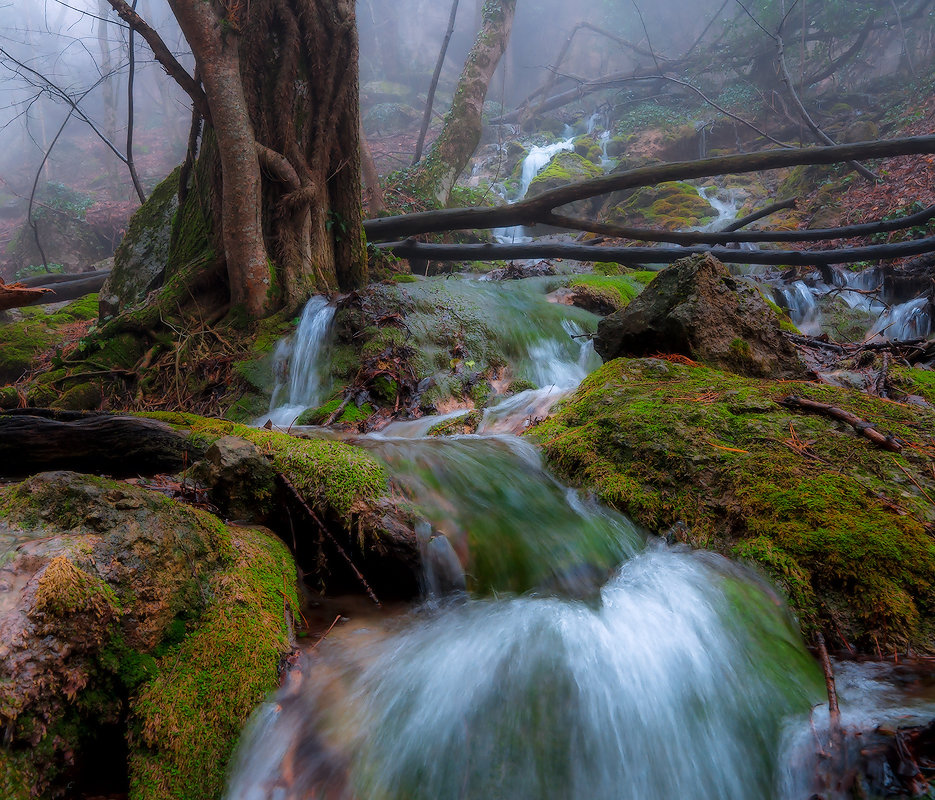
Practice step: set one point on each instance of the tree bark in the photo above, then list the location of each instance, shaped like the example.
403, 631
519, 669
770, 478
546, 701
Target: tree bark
281, 101
461, 133
216, 48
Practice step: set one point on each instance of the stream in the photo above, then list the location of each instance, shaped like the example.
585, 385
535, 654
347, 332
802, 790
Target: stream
559, 651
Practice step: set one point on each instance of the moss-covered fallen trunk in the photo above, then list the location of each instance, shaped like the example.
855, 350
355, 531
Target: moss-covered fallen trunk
845, 527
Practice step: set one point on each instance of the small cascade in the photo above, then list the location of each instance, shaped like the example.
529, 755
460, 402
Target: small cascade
725, 202
555, 370
910, 320
659, 690
538, 159
301, 362
801, 304
606, 161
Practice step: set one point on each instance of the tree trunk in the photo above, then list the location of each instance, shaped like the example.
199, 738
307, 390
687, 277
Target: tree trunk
281, 94
459, 138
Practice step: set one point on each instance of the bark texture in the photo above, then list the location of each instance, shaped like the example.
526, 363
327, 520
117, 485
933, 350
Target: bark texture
461, 133
283, 181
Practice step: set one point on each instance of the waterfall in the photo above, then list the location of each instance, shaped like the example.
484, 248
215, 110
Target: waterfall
301, 362
910, 320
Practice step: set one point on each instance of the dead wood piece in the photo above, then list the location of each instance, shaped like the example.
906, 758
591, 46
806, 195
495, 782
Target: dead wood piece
811, 341
323, 529
880, 382
412, 249
37, 440
863, 427
340, 409
833, 709
15, 295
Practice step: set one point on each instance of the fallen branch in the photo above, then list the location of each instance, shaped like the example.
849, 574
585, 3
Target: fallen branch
863, 427
651, 255
754, 216
324, 530
732, 235
15, 295
536, 209
834, 712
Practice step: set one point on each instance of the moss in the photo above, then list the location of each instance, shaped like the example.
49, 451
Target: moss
465, 423
189, 717
21, 342
64, 589
521, 385
332, 474
673, 205
831, 518
613, 292
919, 382
350, 415
564, 168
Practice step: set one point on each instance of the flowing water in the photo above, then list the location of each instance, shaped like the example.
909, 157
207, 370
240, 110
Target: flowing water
559, 652
576, 657
301, 365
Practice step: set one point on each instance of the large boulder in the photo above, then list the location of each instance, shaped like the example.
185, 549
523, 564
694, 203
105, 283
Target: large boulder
141, 258
130, 621
697, 309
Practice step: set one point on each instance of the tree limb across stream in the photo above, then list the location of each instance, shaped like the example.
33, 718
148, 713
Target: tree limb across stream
652, 255
537, 209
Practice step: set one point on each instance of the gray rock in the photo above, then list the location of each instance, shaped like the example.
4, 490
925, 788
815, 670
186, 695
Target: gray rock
142, 255
696, 308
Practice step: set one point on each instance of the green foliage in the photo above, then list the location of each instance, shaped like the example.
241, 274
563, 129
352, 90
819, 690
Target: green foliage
38, 269
59, 197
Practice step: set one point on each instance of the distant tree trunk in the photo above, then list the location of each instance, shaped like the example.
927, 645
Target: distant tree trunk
281, 97
452, 150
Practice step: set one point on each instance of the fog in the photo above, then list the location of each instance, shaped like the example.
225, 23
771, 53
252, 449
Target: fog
57, 52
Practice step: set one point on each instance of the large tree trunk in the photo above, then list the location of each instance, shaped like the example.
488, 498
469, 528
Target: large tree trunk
459, 138
280, 87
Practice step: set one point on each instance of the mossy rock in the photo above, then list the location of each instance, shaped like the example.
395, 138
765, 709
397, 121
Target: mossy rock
143, 253
334, 477
674, 205
564, 168
134, 609
605, 294
841, 525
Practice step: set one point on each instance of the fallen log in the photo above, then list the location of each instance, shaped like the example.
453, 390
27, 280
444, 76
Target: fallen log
651, 255
39, 440
862, 427
80, 286
52, 278
732, 235
15, 295
537, 209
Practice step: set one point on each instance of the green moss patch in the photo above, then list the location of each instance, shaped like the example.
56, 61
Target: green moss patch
21, 342
843, 526
189, 717
608, 292
333, 475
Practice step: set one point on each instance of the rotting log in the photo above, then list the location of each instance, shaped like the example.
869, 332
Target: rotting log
537, 209
39, 440
652, 255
